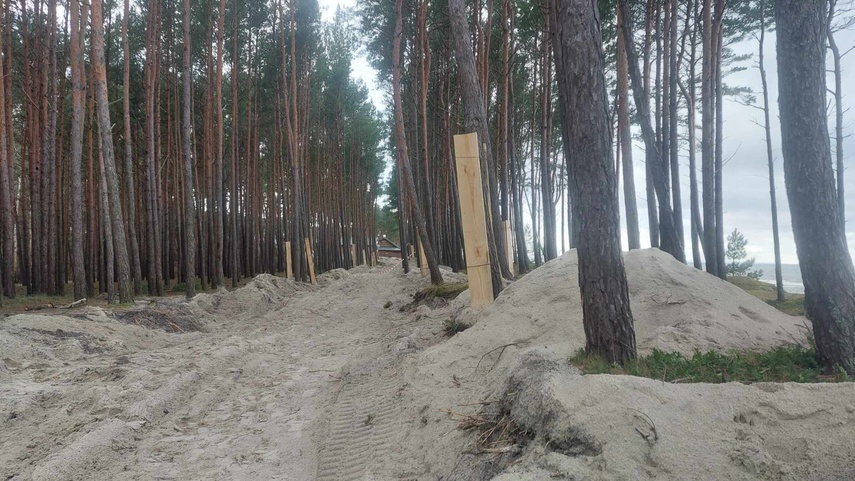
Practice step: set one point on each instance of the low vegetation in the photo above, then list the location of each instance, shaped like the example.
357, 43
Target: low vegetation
793, 363
794, 304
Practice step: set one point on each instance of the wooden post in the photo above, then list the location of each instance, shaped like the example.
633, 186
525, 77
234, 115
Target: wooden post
423, 261
289, 266
474, 219
509, 245
365, 259
353, 255
311, 261
409, 250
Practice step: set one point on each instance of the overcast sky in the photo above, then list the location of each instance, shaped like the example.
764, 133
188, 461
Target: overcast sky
746, 179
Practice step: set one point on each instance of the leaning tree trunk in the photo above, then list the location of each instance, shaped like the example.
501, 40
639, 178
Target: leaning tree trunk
670, 241
401, 148
475, 113
104, 128
826, 265
187, 131
580, 68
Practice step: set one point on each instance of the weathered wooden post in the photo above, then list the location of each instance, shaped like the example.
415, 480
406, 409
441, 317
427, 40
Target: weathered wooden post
289, 266
311, 261
509, 245
423, 261
473, 218
353, 255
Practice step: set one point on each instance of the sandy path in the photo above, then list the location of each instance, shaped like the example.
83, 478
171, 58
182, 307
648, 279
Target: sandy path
307, 390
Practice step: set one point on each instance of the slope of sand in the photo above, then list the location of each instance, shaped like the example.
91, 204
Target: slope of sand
600, 427
335, 383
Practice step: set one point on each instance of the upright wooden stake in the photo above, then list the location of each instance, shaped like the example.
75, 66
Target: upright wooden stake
311, 261
423, 261
353, 255
289, 267
509, 245
473, 218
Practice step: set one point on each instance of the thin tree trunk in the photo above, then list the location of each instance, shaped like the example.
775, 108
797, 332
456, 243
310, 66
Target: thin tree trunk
103, 104
401, 150
475, 120
78, 96
7, 283
136, 268
670, 242
625, 140
707, 141
838, 113
779, 278
187, 130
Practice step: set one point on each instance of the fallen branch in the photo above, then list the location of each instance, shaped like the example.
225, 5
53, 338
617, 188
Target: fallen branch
74, 304
497, 359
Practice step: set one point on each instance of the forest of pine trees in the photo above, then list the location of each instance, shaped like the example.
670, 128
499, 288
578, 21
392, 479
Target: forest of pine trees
147, 144
145, 141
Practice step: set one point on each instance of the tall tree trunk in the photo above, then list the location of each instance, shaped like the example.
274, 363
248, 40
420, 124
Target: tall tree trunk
187, 131
779, 277
103, 104
78, 96
136, 268
673, 139
580, 69
109, 244
670, 241
401, 150
719, 138
625, 140
475, 120
826, 265
7, 197
837, 57
219, 196
708, 139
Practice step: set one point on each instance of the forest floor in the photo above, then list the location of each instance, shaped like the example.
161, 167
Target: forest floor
348, 380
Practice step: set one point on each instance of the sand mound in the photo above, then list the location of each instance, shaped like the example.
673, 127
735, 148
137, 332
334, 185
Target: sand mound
258, 297
619, 427
675, 307
512, 364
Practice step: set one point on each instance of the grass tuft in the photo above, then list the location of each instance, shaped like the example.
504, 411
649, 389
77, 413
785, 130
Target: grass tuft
782, 364
454, 326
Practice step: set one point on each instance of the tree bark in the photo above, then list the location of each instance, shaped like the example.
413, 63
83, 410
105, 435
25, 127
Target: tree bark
779, 277
78, 97
136, 268
670, 241
826, 265
104, 127
7, 282
187, 131
402, 153
625, 139
475, 120
580, 68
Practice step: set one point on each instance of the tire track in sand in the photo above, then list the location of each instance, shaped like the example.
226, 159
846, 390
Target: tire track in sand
364, 426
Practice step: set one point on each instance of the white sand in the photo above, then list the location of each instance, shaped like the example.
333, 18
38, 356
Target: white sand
297, 382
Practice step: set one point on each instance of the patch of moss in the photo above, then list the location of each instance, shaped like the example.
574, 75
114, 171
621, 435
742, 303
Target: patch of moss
447, 291
782, 364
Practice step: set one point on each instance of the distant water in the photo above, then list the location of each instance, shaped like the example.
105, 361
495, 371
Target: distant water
791, 273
